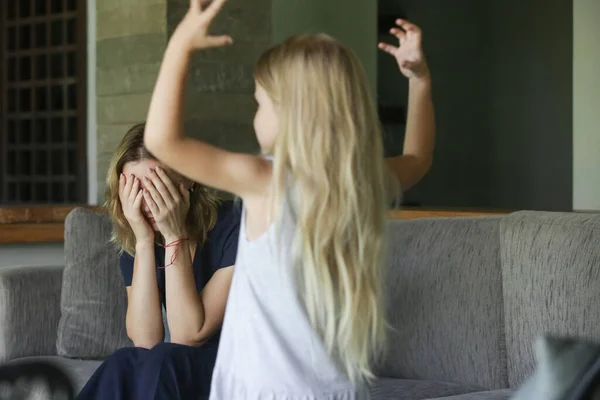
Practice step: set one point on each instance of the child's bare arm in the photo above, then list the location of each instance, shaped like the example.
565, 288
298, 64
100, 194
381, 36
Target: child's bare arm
240, 174
419, 140
416, 159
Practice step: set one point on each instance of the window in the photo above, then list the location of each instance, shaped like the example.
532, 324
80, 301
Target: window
42, 102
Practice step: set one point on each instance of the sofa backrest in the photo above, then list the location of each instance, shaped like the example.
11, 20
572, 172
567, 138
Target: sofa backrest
551, 273
466, 297
444, 302
93, 299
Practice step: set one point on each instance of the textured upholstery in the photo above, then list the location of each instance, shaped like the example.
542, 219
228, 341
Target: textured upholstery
29, 311
551, 270
94, 300
444, 288
500, 394
406, 389
466, 298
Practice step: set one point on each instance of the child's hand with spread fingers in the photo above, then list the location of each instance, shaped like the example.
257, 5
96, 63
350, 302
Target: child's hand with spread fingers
409, 53
192, 31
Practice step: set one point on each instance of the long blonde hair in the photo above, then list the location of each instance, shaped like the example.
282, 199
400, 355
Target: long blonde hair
329, 142
202, 214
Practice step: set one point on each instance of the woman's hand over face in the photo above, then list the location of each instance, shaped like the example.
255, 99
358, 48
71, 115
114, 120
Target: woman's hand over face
131, 195
168, 203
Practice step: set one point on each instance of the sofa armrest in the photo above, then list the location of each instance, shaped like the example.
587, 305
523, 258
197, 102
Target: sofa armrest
29, 311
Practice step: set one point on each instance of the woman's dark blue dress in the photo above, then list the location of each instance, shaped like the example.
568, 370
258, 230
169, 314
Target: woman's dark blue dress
168, 370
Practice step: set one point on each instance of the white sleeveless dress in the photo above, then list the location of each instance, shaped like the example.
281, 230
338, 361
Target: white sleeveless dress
268, 349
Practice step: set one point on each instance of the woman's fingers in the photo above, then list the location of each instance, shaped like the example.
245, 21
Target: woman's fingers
151, 203
168, 183
161, 188
121, 182
127, 186
135, 188
154, 193
123, 196
137, 202
185, 194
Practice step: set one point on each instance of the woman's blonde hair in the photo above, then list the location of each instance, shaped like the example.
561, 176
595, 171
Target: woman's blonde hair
330, 143
204, 202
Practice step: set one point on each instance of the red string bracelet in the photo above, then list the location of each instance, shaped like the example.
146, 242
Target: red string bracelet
175, 244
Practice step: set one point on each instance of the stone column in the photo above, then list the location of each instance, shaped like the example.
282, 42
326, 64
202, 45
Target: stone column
220, 103
131, 39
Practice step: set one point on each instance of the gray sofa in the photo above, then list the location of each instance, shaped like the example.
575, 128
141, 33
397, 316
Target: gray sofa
466, 298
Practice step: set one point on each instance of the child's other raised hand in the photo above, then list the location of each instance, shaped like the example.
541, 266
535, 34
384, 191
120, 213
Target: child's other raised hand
192, 31
409, 53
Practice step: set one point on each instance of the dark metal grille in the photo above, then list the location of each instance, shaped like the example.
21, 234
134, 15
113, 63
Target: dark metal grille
43, 102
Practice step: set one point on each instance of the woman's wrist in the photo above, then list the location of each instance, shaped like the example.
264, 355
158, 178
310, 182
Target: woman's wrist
171, 238
144, 244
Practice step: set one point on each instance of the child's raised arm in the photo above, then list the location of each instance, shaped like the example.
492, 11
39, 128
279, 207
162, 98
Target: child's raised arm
239, 174
419, 141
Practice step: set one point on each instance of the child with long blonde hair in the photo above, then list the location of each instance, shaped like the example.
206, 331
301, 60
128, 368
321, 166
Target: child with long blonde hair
304, 317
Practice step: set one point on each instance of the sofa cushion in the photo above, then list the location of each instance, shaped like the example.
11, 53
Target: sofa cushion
551, 269
79, 371
93, 299
444, 301
500, 394
406, 389
29, 310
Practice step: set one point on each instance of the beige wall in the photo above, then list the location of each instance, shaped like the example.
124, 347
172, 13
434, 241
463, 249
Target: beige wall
586, 105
